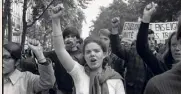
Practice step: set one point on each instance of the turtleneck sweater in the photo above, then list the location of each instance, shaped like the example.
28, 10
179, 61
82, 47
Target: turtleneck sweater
168, 82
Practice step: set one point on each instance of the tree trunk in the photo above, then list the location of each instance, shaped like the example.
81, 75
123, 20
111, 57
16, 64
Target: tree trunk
52, 42
24, 26
4, 18
9, 22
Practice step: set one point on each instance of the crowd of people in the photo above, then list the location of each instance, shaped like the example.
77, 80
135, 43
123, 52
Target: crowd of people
96, 65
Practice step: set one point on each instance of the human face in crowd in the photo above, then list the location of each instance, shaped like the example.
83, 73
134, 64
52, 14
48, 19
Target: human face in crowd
105, 39
179, 28
8, 62
151, 42
176, 48
70, 41
94, 55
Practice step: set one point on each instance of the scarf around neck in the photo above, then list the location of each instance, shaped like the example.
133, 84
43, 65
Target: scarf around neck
98, 84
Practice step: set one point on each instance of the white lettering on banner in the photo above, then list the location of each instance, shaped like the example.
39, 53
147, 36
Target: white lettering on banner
161, 30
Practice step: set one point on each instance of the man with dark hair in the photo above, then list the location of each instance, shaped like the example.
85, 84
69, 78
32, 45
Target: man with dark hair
17, 82
137, 73
152, 44
72, 42
168, 82
71, 30
71, 38
152, 41
115, 62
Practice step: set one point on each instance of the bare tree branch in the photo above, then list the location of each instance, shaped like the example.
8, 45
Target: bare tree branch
24, 26
41, 14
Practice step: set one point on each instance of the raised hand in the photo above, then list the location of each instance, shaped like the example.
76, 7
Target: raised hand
55, 12
35, 46
115, 25
115, 22
149, 10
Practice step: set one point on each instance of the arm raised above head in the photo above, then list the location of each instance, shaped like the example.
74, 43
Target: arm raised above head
46, 79
64, 57
142, 47
117, 49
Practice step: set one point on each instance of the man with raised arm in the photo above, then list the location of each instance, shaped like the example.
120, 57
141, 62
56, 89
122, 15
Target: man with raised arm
16, 82
137, 73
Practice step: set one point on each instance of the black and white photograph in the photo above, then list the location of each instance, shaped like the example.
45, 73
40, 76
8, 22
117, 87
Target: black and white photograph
91, 46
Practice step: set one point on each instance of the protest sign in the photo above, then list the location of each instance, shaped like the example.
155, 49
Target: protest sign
161, 30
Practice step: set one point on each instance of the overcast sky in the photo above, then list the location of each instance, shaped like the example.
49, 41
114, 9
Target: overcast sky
91, 13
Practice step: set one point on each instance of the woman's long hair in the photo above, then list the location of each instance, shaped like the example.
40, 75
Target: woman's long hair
179, 27
167, 55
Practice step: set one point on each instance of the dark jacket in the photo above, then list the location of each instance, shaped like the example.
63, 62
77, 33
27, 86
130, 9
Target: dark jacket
156, 65
29, 64
137, 73
166, 83
63, 79
117, 64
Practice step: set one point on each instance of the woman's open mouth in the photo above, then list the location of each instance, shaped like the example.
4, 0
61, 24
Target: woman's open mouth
93, 60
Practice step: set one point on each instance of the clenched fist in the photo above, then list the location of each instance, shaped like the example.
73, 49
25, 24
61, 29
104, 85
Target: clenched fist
115, 22
56, 11
37, 49
149, 10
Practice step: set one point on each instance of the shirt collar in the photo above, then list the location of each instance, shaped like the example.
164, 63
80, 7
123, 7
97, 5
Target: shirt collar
14, 77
